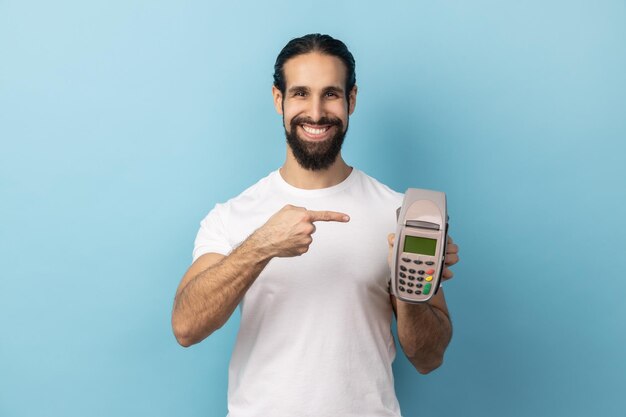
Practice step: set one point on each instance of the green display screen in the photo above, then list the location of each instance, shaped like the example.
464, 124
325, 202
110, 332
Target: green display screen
420, 245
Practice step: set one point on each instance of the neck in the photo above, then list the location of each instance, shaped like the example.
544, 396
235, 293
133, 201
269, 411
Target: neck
306, 179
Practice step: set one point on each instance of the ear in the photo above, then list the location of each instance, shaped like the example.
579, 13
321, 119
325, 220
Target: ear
352, 96
278, 99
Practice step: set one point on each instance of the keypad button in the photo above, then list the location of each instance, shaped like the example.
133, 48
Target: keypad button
418, 292
402, 288
410, 291
418, 262
410, 284
430, 271
420, 272
403, 282
411, 277
402, 268
430, 263
427, 288
406, 259
420, 279
429, 278
418, 285
411, 271
402, 275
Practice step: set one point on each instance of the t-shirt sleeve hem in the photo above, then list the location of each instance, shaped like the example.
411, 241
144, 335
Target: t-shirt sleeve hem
204, 249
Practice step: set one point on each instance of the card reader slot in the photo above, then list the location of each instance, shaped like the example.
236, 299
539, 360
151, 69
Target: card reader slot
422, 224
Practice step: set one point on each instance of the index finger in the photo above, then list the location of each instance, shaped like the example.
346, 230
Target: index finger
327, 216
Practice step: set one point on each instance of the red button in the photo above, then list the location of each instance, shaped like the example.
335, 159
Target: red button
430, 271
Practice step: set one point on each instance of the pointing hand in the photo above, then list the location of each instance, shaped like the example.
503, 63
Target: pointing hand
288, 232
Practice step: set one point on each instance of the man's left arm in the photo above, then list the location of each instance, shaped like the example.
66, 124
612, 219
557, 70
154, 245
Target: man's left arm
425, 329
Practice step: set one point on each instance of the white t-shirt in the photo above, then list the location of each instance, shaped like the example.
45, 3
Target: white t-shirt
315, 335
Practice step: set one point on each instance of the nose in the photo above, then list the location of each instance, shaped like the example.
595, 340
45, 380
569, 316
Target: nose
317, 109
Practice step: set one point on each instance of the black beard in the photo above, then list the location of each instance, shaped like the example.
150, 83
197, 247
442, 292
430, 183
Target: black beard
315, 156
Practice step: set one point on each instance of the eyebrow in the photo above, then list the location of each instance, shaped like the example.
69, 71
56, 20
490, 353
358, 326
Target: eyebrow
297, 88
337, 90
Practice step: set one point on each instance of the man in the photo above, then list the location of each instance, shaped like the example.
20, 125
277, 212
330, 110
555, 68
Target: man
303, 253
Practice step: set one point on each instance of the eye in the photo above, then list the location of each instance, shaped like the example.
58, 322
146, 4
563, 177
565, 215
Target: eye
299, 93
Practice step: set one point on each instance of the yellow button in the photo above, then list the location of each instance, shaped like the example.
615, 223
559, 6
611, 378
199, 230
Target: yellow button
429, 278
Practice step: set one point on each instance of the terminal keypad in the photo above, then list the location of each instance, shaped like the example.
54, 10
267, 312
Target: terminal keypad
420, 281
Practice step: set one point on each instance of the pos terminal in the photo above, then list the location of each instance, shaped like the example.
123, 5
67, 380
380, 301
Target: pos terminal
420, 245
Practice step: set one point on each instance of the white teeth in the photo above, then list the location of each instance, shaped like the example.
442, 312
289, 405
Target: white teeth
314, 131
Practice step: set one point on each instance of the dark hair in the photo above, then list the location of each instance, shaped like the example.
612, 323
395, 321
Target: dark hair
314, 42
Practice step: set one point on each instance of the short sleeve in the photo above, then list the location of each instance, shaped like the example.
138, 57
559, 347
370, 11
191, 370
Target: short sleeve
212, 236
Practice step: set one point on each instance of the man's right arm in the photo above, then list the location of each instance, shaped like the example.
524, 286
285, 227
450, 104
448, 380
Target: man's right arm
213, 287
215, 284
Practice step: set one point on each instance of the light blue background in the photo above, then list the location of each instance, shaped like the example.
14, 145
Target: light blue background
123, 122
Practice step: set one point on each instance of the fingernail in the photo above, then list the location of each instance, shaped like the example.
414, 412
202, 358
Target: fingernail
346, 218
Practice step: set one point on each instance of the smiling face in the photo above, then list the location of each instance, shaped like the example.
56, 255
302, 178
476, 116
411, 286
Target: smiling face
315, 108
